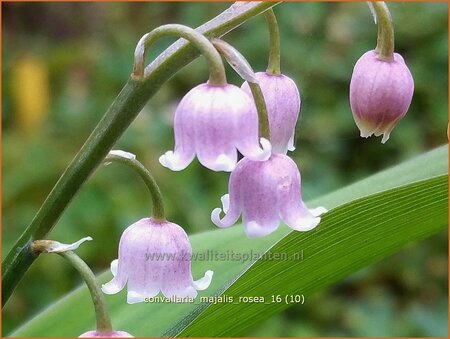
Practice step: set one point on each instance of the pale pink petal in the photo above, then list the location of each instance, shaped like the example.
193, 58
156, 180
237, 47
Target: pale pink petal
292, 209
154, 256
259, 204
283, 106
231, 202
184, 122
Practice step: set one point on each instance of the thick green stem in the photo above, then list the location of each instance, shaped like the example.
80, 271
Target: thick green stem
98, 299
273, 66
245, 71
217, 74
155, 193
385, 40
116, 120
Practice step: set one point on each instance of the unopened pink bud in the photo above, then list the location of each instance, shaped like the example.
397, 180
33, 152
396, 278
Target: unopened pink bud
380, 93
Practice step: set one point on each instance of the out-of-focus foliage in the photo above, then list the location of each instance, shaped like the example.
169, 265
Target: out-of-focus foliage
63, 64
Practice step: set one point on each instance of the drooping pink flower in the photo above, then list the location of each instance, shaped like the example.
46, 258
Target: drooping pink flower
113, 334
212, 122
380, 93
283, 106
154, 256
265, 192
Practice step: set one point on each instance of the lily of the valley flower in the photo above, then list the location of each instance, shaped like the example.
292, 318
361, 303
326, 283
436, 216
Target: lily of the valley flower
154, 256
213, 121
380, 93
265, 192
283, 106
113, 334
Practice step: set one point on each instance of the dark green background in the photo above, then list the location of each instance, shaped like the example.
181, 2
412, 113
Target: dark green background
87, 49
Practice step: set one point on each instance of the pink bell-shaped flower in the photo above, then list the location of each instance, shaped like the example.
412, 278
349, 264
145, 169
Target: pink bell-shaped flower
154, 256
213, 121
283, 106
265, 192
380, 93
113, 334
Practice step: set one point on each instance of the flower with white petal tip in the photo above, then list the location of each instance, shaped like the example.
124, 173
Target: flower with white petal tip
265, 192
154, 256
380, 93
212, 122
283, 106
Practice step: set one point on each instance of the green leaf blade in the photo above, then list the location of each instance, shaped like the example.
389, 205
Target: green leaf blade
332, 255
417, 187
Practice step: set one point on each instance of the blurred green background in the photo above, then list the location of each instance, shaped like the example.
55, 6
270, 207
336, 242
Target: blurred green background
63, 64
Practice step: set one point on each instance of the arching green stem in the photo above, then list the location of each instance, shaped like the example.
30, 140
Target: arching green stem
273, 66
103, 319
155, 193
217, 74
238, 62
116, 120
385, 40
98, 298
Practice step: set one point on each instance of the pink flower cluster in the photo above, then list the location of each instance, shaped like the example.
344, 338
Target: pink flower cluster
214, 123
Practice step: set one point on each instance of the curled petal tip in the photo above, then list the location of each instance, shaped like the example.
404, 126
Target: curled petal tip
171, 161
223, 163
318, 211
267, 148
215, 217
291, 146
114, 267
203, 283
111, 287
134, 297
306, 224
256, 230
386, 136
225, 202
